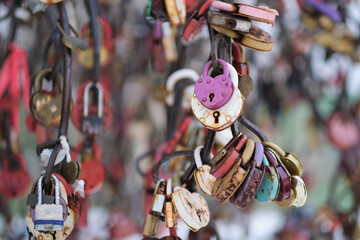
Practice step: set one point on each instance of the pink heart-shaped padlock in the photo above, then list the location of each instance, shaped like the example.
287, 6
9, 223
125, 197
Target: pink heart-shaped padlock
215, 92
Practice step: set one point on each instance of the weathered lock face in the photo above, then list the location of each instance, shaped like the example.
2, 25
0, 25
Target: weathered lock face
46, 105
227, 21
92, 168
191, 208
223, 117
14, 179
203, 178
93, 118
215, 92
67, 213
195, 23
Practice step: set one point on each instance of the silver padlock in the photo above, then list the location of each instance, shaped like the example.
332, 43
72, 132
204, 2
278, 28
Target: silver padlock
93, 124
49, 217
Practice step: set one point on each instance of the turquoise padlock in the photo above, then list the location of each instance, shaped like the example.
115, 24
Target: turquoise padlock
270, 185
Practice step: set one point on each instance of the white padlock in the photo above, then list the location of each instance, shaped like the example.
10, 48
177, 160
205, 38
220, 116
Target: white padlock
223, 117
49, 217
185, 73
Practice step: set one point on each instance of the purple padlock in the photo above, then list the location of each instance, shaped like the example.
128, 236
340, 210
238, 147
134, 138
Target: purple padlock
214, 93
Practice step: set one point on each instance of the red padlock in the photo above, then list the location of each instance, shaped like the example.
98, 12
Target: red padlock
88, 153
77, 115
106, 44
239, 60
196, 22
14, 178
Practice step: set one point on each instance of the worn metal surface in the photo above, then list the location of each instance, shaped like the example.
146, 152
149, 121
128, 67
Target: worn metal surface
191, 208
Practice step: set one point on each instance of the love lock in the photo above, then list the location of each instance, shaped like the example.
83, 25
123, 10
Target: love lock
86, 57
224, 116
45, 105
92, 116
67, 214
92, 168
196, 23
185, 73
214, 93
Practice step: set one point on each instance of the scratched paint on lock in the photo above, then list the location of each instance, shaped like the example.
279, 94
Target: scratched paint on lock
269, 186
225, 21
228, 113
191, 208
69, 224
204, 179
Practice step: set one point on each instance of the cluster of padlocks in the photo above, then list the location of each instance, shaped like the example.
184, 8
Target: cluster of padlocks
243, 169
212, 152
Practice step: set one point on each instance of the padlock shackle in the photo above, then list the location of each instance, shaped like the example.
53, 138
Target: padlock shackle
100, 99
57, 190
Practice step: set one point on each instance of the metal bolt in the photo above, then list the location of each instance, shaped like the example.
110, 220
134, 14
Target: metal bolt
200, 80
224, 78
204, 99
223, 94
208, 81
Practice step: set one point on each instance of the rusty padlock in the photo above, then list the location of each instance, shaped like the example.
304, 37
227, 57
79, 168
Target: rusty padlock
46, 105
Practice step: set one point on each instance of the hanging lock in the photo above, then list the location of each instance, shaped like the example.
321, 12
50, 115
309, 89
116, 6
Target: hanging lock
246, 84
169, 34
228, 111
214, 93
221, 20
151, 224
170, 215
93, 124
203, 178
192, 208
159, 198
45, 105
88, 153
176, 10
185, 73
86, 57
196, 23
69, 210
49, 217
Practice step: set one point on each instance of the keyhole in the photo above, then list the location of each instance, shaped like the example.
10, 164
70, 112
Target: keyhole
216, 116
211, 96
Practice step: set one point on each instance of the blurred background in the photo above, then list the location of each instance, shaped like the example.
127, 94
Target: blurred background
306, 99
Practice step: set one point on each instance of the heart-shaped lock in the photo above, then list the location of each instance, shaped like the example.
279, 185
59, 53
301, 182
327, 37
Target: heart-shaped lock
191, 208
46, 105
92, 168
202, 175
223, 117
215, 92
